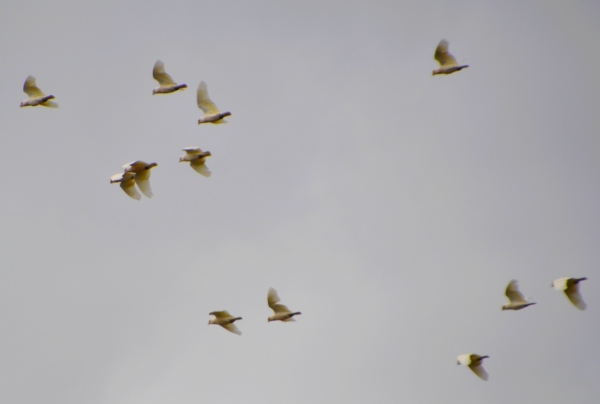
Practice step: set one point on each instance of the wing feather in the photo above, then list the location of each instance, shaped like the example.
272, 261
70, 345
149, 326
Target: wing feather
513, 294
204, 102
220, 314
572, 292
442, 55
272, 298
31, 89
160, 75
200, 167
231, 328
142, 179
128, 185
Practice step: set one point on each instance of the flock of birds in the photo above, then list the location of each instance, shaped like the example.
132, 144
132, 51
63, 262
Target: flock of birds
138, 173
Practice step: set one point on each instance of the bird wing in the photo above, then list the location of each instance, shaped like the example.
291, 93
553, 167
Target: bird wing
572, 292
513, 294
194, 151
272, 298
50, 104
204, 103
479, 370
200, 168
116, 177
128, 185
280, 308
31, 89
135, 166
220, 314
161, 76
232, 328
142, 179
442, 55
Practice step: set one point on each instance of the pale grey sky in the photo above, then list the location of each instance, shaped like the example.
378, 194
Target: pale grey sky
389, 206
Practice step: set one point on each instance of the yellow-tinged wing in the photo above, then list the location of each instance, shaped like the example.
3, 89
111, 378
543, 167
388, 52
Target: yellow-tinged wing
160, 75
220, 314
31, 89
272, 297
442, 55
572, 292
513, 294
204, 103
142, 179
231, 328
200, 168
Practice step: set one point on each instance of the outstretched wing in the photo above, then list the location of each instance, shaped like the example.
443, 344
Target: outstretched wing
200, 168
442, 55
161, 76
231, 328
193, 151
572, 292
204, 103
128, 185
513, 294
142, 179
220, 314
280, 308
479, 370
272, 298
31, 89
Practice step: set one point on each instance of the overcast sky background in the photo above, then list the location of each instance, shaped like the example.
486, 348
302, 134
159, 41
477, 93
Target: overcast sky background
389, 206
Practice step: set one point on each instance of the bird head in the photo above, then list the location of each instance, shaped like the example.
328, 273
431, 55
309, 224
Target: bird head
22, 104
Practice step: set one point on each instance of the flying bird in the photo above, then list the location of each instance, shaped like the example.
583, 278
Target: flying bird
280, 311
571, 288
211, 112
473, 361
36, 96
196, 158
225, 320
448, 63
127, 183
166, 83
142, 175
516, 299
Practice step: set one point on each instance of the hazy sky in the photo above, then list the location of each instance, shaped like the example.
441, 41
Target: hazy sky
389, 206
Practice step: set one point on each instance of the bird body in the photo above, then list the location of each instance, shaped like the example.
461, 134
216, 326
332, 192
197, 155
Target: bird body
448, 63
516, 299
225, 320
197, 158
280, 311
36, 96
166, 83
474, 362
571, 288
142, 175
211, 112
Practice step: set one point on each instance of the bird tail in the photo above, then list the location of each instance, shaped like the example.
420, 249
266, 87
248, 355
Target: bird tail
180, 86
580, 279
